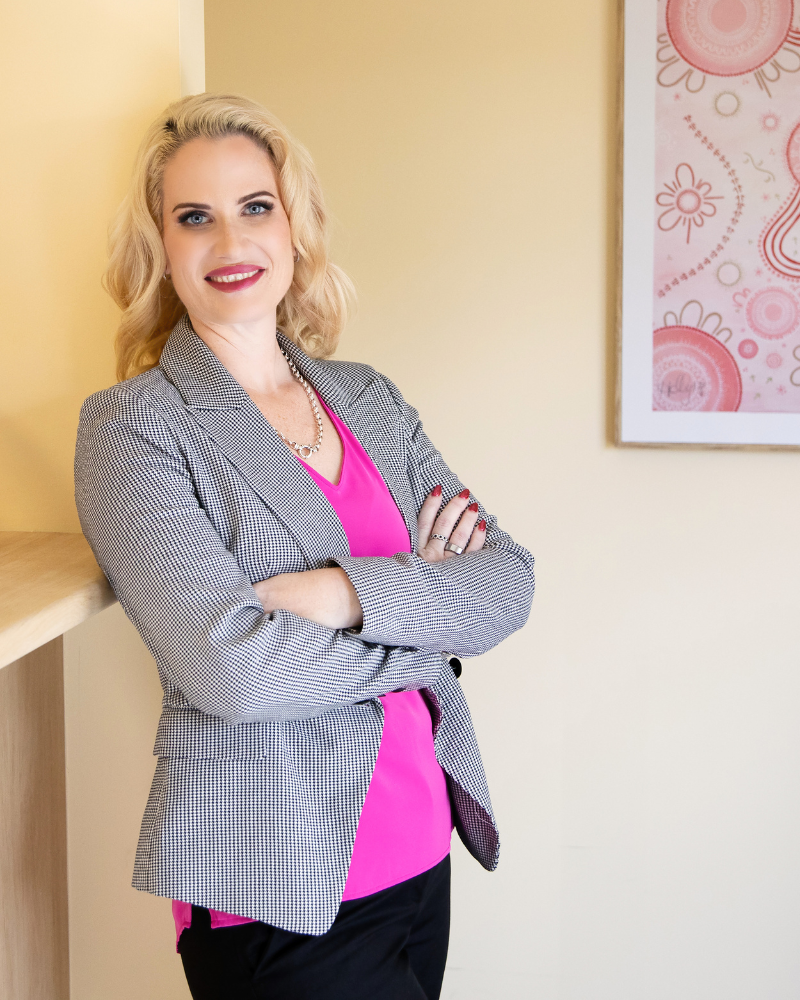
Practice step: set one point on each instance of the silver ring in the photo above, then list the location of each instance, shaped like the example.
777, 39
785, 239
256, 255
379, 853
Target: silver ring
453, 548
443, 538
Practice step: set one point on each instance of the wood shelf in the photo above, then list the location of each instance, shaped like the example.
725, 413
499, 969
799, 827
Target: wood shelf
49, 583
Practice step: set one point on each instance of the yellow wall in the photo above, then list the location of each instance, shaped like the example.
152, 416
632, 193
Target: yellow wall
640, 735
78, 83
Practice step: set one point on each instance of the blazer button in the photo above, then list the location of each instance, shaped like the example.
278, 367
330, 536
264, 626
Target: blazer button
455, 663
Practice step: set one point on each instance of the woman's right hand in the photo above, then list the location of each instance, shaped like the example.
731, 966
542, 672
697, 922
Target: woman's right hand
456, 522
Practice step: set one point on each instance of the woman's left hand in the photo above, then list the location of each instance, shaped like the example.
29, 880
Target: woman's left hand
455, 524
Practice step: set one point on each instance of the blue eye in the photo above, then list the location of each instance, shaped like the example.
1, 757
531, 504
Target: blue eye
193, 218
258, 208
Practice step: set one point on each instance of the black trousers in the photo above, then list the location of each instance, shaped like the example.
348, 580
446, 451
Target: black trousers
391, 945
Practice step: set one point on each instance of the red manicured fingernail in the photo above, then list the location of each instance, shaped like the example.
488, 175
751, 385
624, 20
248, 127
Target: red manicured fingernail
481, 525
436, 491
473, 507
464, 494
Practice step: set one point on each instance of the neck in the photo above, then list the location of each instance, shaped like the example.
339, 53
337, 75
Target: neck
250, 352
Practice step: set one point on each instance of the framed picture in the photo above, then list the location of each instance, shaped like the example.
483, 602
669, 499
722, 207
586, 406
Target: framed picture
710, 296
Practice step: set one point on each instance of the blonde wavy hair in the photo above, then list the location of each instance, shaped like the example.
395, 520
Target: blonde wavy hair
314, 309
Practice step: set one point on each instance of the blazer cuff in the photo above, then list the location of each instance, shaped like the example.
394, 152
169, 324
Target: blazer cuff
387, 619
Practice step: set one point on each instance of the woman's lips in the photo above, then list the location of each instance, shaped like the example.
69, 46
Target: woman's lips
234, 278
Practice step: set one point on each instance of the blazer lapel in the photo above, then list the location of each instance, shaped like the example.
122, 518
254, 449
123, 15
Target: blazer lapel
252, 445
230, 417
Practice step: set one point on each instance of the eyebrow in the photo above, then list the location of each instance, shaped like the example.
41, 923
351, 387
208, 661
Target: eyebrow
256, 194
191, 204
241, 201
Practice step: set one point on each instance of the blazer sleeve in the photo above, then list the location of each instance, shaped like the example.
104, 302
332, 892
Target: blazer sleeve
192, 603
466, 604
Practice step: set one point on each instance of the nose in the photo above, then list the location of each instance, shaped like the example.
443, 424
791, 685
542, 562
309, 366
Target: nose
230, 240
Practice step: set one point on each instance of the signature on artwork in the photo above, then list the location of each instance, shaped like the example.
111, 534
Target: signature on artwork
680, 387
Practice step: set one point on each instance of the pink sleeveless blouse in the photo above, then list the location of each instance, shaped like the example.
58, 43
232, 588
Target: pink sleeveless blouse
406, 823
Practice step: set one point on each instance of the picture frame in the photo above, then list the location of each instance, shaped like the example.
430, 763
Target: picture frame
709, 242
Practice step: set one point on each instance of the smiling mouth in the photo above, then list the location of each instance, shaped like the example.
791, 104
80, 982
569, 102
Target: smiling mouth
229, 279
234, 277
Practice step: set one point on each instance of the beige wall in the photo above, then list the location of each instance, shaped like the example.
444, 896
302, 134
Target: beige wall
641, 734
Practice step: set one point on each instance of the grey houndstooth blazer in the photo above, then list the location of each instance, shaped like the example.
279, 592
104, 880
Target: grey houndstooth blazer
271, 724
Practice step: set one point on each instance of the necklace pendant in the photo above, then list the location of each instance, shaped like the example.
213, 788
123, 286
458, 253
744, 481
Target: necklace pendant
305, 448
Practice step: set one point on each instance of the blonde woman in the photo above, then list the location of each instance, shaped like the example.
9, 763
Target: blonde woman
299, 560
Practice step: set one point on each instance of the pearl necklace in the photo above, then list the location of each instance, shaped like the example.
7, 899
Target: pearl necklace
304, 450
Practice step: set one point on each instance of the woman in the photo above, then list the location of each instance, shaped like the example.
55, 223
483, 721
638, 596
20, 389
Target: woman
300, 561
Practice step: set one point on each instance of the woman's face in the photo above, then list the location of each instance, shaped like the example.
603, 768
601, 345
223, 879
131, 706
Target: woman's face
225, 231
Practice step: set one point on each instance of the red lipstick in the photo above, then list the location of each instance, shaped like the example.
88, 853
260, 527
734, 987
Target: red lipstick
225, 279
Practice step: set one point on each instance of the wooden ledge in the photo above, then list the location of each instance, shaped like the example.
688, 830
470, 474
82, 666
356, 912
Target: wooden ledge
49, 583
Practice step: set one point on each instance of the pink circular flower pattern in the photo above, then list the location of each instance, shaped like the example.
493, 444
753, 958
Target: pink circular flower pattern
774, 360
728, 37
773, 313
693, 371
748, 349
687, 201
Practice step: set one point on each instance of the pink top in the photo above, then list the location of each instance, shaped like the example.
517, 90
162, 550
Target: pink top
406, 823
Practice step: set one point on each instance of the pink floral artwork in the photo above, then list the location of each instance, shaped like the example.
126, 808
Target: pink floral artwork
726, 206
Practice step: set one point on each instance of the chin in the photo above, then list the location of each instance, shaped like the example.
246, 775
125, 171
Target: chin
241, 311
